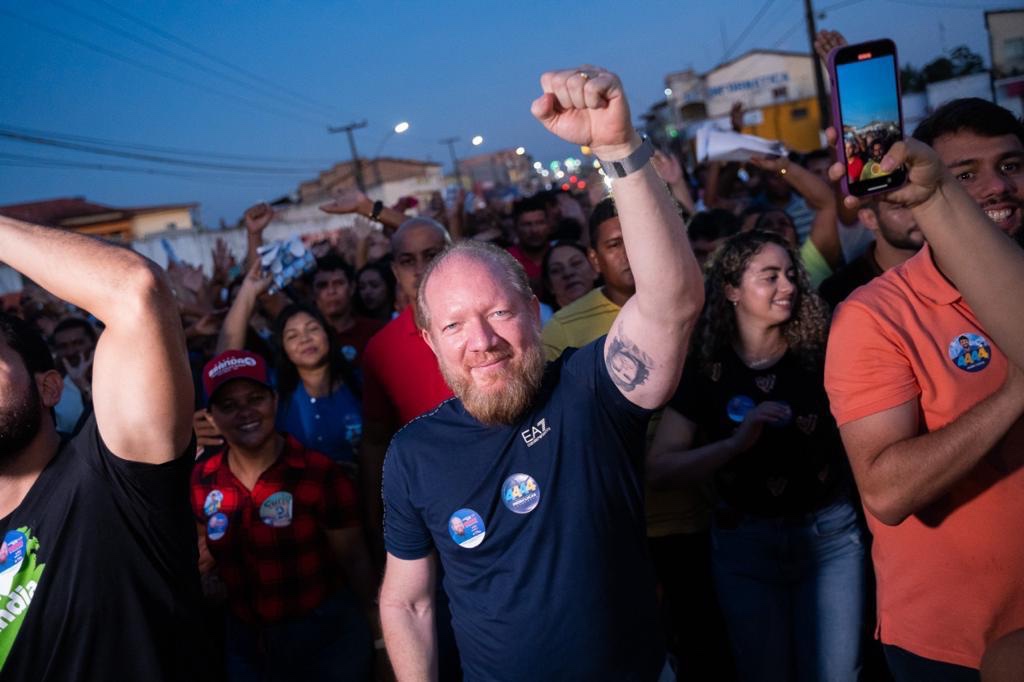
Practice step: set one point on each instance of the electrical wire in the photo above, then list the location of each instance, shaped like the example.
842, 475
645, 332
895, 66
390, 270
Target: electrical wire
746, 31
92, 149
212, 57
132, 146
152, 69
168, 53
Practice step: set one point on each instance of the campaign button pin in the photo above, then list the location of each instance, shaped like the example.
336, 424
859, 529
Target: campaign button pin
466, 528
970, 352
213, 501
217, 526
520, 493
738, 406
276, 510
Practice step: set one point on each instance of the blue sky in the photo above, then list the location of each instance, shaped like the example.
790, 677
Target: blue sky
867, 91
450, 68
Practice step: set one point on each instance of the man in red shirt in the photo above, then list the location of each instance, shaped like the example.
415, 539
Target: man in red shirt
334, 284
533, 232
279, 521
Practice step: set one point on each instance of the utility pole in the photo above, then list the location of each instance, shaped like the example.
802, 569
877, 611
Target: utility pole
352, 147
450, 141
819, 82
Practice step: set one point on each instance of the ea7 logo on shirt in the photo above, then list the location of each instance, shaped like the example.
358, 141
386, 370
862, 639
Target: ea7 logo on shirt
536, 432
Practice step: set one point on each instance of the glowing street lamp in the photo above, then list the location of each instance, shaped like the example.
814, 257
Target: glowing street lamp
520, 151
478, 140
402, 127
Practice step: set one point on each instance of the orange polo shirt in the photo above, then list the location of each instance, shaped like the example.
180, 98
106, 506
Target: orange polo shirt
951, 577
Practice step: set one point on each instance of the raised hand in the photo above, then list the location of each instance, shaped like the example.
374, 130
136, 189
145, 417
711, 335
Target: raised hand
667, 167
926, 173
768, 412
826, 41
587, 106
348, 201
258, 217
223, 261
256, 281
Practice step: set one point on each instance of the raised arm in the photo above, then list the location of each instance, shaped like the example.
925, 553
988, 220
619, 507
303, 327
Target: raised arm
646, 346
407, 617
142, 387
236, 322
354, 201
982, 263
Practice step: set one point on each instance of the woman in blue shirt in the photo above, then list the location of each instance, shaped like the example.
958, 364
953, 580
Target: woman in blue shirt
319, 402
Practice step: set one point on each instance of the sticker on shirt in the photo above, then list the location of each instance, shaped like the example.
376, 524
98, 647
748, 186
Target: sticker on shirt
216, 526
349, 352
213, 501
466, 528
970, 352
19, 579
276, 510
520, 493
738, 406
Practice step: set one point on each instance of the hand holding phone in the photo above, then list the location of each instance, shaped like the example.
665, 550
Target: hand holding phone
867, 114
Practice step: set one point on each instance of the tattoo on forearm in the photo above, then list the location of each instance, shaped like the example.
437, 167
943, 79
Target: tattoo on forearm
628, 366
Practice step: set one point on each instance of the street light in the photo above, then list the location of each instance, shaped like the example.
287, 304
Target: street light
402, 127
478, 140
520, 151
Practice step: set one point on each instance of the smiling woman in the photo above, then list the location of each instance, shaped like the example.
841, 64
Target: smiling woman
754, 388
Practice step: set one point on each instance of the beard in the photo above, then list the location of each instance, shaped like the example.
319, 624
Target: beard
19, 423
522, 379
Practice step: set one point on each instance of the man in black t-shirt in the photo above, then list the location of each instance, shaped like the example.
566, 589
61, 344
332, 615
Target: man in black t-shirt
524, 485
98, 576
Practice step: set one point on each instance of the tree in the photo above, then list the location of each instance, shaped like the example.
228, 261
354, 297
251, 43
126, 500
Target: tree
911, 79
940, 69
965, 61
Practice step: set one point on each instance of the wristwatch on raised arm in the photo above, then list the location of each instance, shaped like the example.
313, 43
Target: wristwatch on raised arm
620, 168
378, 206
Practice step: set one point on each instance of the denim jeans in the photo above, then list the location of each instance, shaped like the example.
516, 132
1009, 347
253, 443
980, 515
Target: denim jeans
792, 592
332, 642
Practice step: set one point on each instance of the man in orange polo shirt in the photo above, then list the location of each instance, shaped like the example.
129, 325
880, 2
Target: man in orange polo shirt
935, 441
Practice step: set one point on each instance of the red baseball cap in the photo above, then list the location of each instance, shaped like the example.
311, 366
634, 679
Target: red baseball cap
231, 365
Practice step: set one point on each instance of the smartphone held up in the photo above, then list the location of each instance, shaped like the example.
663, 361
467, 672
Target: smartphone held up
866, 114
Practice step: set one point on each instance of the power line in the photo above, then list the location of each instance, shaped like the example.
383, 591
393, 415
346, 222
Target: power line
212, 57
160, 72
939, 5
93, 149
163, 150
746, 31
23, 161
168, 53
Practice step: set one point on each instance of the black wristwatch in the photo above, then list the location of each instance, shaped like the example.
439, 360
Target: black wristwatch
378, 206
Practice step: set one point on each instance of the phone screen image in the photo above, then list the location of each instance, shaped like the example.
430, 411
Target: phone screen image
869, 107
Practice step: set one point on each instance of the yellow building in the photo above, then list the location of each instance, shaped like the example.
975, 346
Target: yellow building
124, 224
776, 90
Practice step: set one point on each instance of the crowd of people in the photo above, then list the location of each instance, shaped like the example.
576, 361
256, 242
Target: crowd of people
716, 424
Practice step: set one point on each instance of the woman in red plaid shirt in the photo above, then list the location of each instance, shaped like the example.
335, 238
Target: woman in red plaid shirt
279, 521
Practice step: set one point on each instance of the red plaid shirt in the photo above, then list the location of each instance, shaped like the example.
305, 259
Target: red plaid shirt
270, 543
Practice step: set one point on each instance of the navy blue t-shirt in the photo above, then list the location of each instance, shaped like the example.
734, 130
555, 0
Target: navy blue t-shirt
539, 528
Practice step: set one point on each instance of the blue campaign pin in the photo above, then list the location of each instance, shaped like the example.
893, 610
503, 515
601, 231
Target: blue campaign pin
520, 493
212, 504
466, 528
276, 510
970, 352
12, 550
738, 406
216, 526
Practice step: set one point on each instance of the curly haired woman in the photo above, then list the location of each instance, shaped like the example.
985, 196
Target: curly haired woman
787, 545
